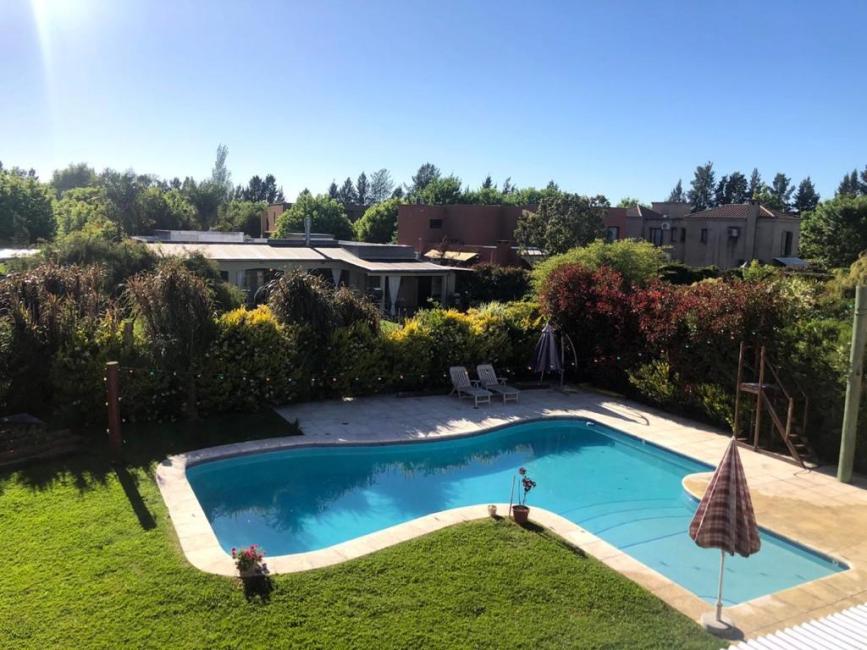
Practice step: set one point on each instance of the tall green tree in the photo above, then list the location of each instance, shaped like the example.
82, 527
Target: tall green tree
379, 222
220, 175
561, 222
207, 197
381, 185
333, 191
756, 184
326, 216
25, 208
72, 176
781, 192
806, 198
167, 210
259, 189
628, 202
835, 233
347, 194
677, 195
425, 175
362, 189
849, 186
732, 189
241, 216
446, 189
703, 184
488, 183
84, 208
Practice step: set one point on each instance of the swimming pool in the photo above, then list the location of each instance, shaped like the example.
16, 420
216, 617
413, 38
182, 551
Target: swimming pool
618, 487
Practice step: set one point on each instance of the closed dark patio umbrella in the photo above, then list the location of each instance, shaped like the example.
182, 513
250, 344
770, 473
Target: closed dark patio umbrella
546, 357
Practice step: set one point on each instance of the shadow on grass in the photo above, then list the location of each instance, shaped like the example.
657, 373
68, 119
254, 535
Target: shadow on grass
130, 488
145, 444
258, 588
544, 532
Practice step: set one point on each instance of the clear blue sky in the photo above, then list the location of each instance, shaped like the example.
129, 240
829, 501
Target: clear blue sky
620, 98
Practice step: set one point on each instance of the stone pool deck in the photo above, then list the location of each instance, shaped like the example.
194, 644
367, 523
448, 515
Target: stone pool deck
808, 507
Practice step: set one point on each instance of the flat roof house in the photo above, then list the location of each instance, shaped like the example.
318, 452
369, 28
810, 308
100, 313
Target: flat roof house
389, 272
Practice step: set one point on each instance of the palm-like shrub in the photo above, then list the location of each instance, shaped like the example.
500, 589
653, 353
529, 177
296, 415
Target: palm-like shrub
176, 309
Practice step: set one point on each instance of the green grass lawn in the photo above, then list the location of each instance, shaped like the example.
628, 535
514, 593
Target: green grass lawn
90, 559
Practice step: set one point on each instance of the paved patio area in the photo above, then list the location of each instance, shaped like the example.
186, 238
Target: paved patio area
809, 507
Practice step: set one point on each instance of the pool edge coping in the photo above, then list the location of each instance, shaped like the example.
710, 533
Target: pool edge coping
202, 549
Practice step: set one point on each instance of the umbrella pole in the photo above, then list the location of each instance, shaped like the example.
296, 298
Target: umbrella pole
722, 563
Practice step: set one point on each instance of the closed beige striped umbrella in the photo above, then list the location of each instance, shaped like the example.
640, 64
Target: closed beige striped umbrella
725, 518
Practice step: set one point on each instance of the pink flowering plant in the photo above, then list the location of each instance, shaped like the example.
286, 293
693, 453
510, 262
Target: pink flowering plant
248, 560
527, 484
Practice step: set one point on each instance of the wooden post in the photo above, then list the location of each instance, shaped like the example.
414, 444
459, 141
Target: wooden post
759, 397
853, 387
736, 423
112, 380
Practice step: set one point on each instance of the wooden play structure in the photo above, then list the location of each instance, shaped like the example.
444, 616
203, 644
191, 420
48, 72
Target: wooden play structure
785, 407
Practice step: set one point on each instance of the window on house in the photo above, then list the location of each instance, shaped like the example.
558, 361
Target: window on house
435, 224
673, 235
683, 235
704, 235
656, 236
612, 233
787, 243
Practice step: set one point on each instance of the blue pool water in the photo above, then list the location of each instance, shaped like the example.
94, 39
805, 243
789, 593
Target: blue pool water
621, 489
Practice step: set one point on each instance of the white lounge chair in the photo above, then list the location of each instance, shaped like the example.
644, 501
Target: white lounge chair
489, 380
462, 385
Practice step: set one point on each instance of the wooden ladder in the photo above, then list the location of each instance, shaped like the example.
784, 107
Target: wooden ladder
772, 396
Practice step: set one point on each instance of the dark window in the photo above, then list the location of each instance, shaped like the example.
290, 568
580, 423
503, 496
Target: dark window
656, 236
787, 243
612, 233
224, 275
704, 235
435, 224
673, 235
683, 234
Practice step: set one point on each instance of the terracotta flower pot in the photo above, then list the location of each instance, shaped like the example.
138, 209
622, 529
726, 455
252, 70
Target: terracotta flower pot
520, 514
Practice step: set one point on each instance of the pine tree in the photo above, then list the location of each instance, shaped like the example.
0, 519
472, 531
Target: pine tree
508, 188
427, 173
781, 192
864, 181
849, 185
381, 185
756, 184
333, 192
721, 194
703, 184
362, 189
346, 195
488, 184
737, 189
806, 198
677, 195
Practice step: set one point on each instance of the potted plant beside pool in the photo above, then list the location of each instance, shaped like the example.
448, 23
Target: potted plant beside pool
248, 561
521, 511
